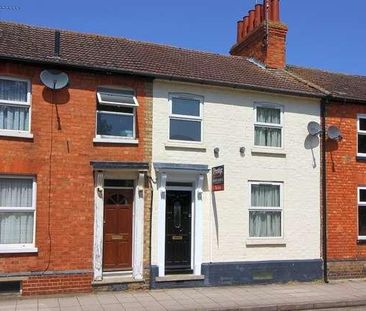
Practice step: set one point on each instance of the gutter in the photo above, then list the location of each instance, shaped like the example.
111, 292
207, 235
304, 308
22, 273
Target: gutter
152, 75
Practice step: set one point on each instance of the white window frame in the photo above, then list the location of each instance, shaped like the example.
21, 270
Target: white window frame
18, 133
26, 247
360, 132
266, 209
271, 125
113, 138
359, 203
173, 116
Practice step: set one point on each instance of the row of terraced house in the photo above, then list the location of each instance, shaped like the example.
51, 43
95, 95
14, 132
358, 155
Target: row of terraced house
155, 167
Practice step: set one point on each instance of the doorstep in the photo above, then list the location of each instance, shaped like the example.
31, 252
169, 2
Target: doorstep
179, 277
117, 279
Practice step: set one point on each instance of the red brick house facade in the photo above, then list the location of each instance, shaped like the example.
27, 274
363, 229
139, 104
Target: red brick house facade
344, 107
57, 154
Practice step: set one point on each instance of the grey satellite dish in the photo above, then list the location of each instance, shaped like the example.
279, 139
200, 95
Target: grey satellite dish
334, 132
54, 79
314, 128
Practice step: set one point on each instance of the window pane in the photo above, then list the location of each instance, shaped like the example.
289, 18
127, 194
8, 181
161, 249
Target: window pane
16, 192
116, 96
185, 130
264, 224
268, 115
118, 183
13, 90
269, 137
362, 220
110, 108
14, 118
184, 106
362, 124
361, 143
362, 195
16, 228
115, 124
265, 195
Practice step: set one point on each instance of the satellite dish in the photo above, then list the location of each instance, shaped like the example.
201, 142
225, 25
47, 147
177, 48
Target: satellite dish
314, 128
54, 79
334, 132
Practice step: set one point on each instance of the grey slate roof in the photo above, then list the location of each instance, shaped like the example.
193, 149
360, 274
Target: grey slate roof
36, 44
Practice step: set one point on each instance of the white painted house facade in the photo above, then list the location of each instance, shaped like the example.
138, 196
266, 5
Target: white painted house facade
265, 224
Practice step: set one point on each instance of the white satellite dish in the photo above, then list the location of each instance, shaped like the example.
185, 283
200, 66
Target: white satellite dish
54, 79
334, 132
314, 128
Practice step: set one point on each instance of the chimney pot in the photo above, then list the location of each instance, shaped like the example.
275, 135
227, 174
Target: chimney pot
240, 35
251, 20
245, 26
275, 10
258, 15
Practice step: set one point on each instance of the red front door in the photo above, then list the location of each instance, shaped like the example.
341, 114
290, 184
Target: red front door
117, 249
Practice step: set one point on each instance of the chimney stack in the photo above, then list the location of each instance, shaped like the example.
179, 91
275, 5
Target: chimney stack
262, 35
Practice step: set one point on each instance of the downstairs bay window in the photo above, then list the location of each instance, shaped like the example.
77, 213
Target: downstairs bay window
17, 214
265, 211
116, 115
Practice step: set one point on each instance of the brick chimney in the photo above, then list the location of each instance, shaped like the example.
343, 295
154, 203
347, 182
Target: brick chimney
262, 35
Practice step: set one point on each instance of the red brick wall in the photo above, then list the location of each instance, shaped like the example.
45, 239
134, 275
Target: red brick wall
255, 45
72, 195
344, 175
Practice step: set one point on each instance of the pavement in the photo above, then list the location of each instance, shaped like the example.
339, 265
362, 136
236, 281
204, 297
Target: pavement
340, 295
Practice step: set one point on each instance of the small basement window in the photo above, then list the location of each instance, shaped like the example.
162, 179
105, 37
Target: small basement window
12, 287
116, 114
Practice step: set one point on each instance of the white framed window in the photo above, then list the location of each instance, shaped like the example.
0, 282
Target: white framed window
116, 114
361, 135
266, 210
268, 125
15, 106
185, 119
17, 213
361, 199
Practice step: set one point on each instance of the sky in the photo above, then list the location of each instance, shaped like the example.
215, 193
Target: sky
325, 34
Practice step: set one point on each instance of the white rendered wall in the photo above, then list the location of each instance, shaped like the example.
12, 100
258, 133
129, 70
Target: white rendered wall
228, 118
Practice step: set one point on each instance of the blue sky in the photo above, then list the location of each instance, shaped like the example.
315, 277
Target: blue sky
327, 34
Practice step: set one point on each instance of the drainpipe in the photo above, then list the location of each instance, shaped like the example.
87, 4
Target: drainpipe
323, 103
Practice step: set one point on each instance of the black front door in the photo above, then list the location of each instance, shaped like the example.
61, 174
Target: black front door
178, 232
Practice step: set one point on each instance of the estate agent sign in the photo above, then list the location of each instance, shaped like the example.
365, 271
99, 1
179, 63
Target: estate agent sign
218, 178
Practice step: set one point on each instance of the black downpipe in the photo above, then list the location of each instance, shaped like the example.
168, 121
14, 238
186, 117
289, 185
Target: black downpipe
324, 189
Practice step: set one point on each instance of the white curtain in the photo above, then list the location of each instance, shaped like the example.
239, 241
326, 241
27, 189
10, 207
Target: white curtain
13, 117
266, 136
268, 115
13, 90
16, 226
265, 223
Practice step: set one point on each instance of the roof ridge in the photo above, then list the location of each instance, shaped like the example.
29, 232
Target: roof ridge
326, 71
98, 35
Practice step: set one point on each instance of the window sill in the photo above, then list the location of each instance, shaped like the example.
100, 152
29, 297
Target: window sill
115, 141
269, 151
15, 250
16, 134
184, 145
361, 157
266, 242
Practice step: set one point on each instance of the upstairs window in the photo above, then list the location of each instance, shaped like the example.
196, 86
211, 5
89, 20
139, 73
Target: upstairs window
361, 135
268, 126
17, 212
14, 105
265, 212
116, 113
185, 121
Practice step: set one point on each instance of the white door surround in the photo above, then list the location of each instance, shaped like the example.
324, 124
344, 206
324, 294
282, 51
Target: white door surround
138, 220
181, 173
